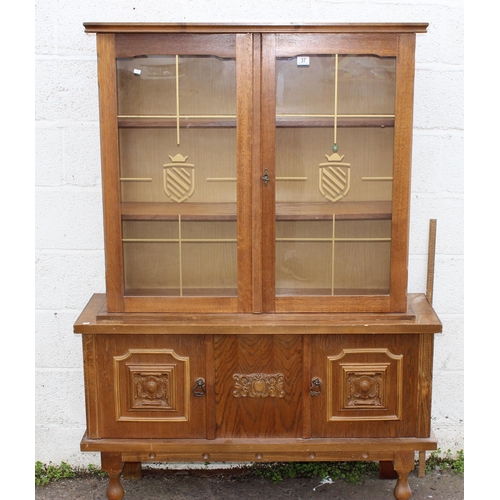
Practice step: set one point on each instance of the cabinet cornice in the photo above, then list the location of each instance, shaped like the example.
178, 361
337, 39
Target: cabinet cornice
91, 27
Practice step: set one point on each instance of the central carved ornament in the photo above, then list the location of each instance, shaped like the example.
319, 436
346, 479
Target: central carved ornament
258, 385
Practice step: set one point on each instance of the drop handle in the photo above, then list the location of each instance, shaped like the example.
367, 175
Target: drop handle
266, 177
315, 389
199, 387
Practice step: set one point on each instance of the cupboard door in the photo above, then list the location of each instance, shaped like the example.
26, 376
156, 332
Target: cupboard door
337, 156
364, 385
152, 386
258, 385
180, 165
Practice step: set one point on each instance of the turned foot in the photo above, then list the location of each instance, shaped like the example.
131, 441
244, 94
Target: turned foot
404, 463
112, 464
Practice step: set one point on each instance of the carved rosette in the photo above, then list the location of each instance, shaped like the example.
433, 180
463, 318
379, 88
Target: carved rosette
151, 390
258, 385
364, 388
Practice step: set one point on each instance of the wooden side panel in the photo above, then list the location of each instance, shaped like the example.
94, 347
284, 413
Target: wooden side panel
426, 353
91, 392
110, 165
403, 130
258, 391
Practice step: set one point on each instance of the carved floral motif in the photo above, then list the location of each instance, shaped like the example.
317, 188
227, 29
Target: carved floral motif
258, 385
364, 388
151, 390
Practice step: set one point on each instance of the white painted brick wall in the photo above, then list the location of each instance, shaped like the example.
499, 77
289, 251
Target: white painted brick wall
69, 237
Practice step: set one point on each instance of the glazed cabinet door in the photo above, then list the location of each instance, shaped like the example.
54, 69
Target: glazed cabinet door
336, 133
175, 160
150, 386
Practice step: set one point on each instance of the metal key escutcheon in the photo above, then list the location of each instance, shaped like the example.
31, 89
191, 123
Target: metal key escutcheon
315, 389
199, 387
266, 177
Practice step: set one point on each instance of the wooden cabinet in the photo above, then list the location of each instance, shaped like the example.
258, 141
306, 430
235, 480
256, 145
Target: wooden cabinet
256, 186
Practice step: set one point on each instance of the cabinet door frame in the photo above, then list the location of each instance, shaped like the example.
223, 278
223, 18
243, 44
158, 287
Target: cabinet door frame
112, 46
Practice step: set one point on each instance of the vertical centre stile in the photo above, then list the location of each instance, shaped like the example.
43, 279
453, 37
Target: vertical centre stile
177, 105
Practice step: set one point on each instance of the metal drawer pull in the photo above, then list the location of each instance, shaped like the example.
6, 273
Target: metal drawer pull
199, 387
315, 389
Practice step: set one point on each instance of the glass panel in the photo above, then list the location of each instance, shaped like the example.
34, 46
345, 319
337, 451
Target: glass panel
334, 168
300, 245
177, 134
151, 257
362, 257
209, 258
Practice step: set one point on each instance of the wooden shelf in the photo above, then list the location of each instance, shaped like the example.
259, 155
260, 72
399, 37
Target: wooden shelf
186, 292
328, 121
350, 210
287, 121
361, 210
171, 211
171, 122
232, 292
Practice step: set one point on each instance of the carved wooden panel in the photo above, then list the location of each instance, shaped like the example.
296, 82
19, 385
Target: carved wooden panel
143, 386
360, 390
258, 385
146, 384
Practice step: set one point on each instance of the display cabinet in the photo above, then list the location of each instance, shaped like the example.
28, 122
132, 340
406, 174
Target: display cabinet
256, 183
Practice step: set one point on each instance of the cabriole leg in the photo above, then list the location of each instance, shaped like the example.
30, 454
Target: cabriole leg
112, 464
404, 462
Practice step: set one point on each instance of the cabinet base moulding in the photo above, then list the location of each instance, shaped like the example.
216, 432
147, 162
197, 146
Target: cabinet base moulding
124, 454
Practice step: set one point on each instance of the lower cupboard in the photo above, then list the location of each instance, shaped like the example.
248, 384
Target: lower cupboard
202, 389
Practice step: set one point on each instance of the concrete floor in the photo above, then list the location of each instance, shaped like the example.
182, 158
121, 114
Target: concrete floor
221, 485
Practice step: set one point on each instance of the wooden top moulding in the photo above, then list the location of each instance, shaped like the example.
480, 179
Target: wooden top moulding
91, 27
